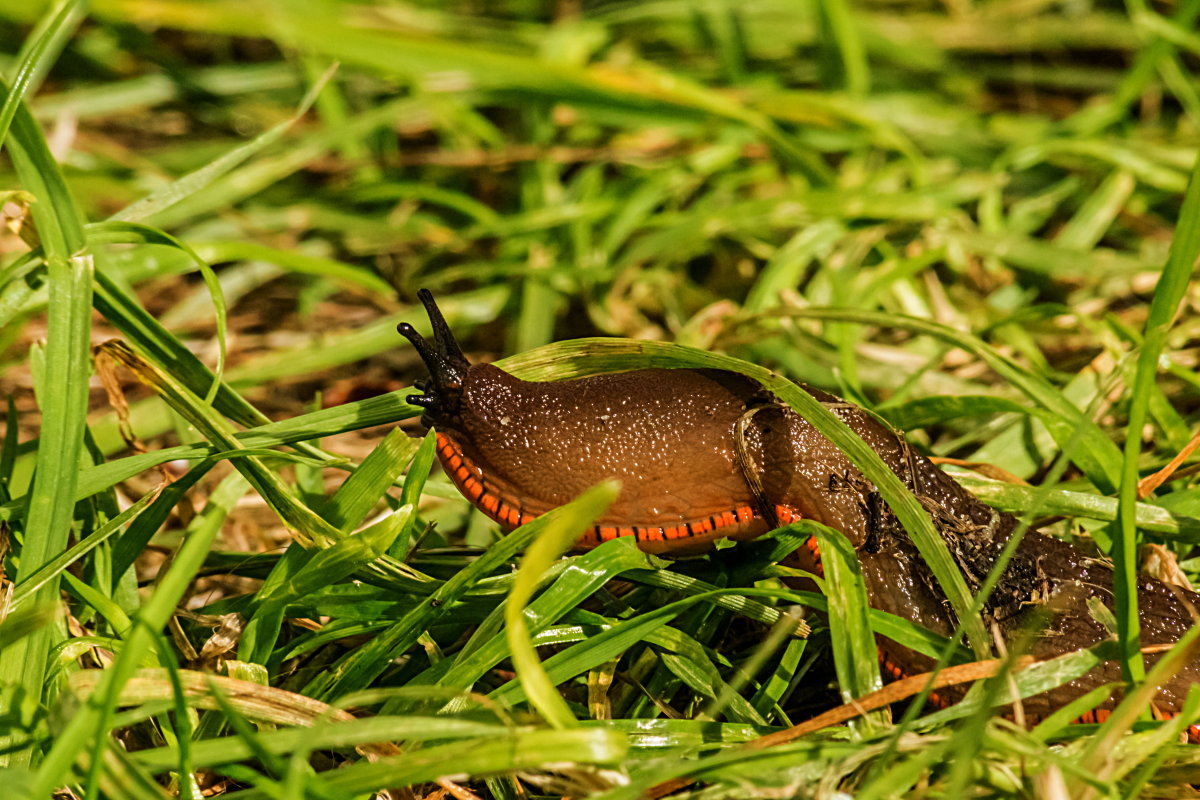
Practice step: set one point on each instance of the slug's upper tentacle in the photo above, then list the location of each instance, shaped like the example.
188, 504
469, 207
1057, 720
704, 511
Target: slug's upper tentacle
447, 365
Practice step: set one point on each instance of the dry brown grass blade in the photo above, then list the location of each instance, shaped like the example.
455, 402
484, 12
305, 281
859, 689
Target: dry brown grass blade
1148, 484
256, 701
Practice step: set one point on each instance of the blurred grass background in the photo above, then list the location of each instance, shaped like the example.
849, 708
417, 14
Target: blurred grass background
984, 192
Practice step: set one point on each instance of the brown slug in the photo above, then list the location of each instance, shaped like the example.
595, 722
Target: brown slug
703, 454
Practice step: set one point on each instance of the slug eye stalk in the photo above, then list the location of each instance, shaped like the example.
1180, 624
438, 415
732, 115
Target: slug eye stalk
443, 357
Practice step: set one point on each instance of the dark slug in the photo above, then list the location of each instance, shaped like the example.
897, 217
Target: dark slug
705, 454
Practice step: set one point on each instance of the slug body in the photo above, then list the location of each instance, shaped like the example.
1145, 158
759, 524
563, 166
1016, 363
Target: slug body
706, 454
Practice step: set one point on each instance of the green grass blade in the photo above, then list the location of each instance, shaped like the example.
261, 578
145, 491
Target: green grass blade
152, 340
614, 641
351, 276
54, 567
410, 494
325, 567
348, 417
855, 656
1095, 453
50, 505
1172, 285
22, 622
558, 536
1136, 80
841, 23
330, 735
516, 751
361, 491
44, 46
305, 525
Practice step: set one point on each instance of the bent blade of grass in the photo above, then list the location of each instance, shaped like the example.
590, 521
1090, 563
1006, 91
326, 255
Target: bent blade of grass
304, 524
252, 177
327, 734
1168, 294
590, 356
325, 567
559, 535
133, 233
410, 494
147, 335
1041, 676
613, 641
331, 564
349, 275
743, 606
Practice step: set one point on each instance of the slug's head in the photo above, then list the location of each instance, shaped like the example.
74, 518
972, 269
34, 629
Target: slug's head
442, 394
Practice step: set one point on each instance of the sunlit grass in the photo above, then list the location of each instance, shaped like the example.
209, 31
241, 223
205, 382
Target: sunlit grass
979, 221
